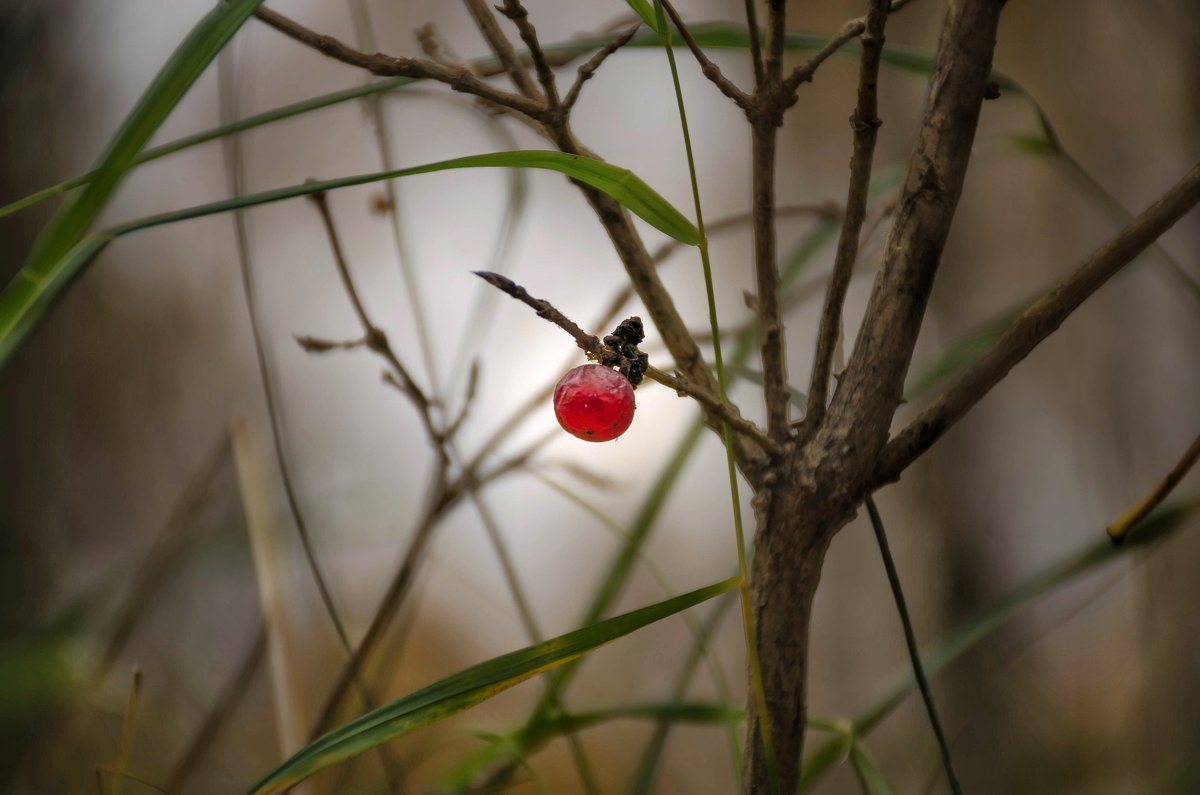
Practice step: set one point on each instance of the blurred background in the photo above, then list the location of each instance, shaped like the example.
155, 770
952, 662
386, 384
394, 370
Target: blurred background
123, 533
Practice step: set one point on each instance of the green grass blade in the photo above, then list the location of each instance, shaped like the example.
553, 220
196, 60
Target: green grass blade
870, 777
643, 10
715, 35
191, 57
204, 136
31, 294
1152, 530
672, 711
467, 688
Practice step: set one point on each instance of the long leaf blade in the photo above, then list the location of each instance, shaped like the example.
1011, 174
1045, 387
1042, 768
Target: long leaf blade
32, 293
185, 65
469, 687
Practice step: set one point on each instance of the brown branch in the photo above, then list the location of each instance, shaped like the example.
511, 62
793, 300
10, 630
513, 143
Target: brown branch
1035, 324
872, 386
446, 497
460, 78
485, 20
725, 411
707, 67
1117, 530
514, 10
588, 68
770, 317
850, 31
223, 707
776, 34
755, 45
597, 350
376, 339
865, 124
435, 47
588, 343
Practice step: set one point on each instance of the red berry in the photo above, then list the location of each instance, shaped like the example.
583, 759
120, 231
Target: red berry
594, 402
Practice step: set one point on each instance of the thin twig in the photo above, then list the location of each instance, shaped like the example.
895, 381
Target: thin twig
755, 45
588, 343
1035, 324
514, 10
162, 558
588, 69
131, 708
376, 339
460, 78
776, 35
485, 20
595, 349
1117, 530
384, 139
910, 640
850, 31
710, 69
435, 47
233, 160
766, 271
725, 411
312, 344
223, 707
865, 124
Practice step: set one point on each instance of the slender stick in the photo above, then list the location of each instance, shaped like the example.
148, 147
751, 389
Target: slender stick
514, 10
865, 124
223, 707
485, 20
1117, 530
757, 688
910, 640
460, 78
755, 45
1035, 324
707, 67
233, 160
589, 67
766, 270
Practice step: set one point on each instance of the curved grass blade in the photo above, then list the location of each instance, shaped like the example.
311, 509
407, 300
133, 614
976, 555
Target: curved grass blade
1154, 529
31, 294
190, 58
503, 748
643, 10
469, 687
712, 35
870, 777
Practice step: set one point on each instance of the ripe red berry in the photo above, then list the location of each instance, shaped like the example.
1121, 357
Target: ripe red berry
594, 402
